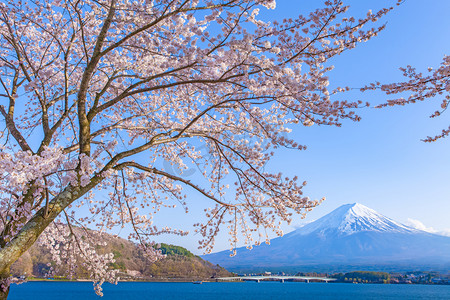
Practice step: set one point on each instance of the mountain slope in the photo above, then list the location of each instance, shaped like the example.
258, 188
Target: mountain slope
353, 218
130, 261
351, 237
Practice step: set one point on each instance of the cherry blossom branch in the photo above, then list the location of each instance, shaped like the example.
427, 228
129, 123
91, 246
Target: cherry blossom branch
13, 130
173, 177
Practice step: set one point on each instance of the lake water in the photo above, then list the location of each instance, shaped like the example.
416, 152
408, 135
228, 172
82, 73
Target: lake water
226, 290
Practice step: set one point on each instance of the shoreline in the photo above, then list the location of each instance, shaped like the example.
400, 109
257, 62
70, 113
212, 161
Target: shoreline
191, 280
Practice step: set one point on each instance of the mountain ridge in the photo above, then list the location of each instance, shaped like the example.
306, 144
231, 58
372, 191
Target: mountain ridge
351, 218
131, 262
351, 237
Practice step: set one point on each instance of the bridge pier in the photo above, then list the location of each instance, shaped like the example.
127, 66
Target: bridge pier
307, 280
282, 280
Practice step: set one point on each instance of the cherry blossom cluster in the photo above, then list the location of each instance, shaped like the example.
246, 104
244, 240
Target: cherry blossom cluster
420, 87
97, 95
72, 248
18, 169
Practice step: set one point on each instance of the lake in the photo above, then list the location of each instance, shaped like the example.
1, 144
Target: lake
226, 290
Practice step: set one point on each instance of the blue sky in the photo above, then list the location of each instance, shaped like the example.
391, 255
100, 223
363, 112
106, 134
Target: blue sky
379, 162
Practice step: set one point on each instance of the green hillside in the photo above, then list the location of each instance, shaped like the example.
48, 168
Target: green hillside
179, 263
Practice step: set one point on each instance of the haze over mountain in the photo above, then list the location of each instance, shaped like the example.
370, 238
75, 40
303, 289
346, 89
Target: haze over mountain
351, 237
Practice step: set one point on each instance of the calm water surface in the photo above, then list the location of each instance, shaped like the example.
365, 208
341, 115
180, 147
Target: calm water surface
226, 290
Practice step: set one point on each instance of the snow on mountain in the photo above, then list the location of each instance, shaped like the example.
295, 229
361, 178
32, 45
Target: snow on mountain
352, 218
351, 237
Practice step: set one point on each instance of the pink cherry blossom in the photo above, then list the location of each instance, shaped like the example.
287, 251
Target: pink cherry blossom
96, 94
420, 87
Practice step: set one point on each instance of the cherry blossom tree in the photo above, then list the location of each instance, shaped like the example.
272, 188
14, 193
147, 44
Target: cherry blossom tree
95, 94
420, 87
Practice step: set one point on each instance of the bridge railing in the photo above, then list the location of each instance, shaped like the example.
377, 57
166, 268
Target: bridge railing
274, 277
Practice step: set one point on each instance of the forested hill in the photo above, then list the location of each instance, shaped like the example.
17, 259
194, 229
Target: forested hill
179, 262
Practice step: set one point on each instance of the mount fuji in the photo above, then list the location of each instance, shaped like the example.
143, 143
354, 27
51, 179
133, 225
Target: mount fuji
349, 238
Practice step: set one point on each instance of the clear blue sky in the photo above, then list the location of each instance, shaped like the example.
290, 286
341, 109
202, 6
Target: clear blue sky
380, 161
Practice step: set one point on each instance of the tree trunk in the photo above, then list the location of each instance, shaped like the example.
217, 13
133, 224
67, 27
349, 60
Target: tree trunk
4, 284
30, 232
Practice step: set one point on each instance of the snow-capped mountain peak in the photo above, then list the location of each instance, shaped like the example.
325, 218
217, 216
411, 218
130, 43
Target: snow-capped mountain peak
351, 237
352, 218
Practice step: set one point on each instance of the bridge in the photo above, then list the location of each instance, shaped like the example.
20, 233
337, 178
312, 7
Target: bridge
277, 278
